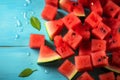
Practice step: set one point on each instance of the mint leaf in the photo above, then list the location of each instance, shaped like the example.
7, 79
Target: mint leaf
26, 72
35, 23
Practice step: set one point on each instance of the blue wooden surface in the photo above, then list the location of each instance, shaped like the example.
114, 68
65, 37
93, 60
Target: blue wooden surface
15, 29
15, 54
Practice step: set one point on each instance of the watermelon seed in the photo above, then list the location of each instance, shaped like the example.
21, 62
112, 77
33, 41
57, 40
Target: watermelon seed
102, 30
111, 9
75, 4
73, 34
99, 60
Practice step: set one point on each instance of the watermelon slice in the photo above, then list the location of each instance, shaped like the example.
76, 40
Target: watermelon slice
85, 76
68, 69
46, 54
107, 76
73, 39
99, 59
98, 45
83, 63
36, 40
49, 12
62, 48
52, 2
66, 5
78, 10
54, 27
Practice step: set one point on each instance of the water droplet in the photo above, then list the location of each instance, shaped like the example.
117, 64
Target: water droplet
25, 4
27, 22
18, 23
25, 15
15, 17
92, 3
21, 29
46, 71
17, 36
32, 12
28, 1
28, 54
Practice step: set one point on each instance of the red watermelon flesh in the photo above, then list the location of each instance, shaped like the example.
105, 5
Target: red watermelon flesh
93, 19
49, 12
111, 9
62, 48
36, 40
85, 76
98, 45
116, 58
54, 27
66, 5
78, 10
96, 7
72, 39
85, 3
99, 59
68, 69
83, 63
107, 76
118, 77
85, 48
71, 21
52, 2
46, 54
84, 31
113, 43
101, 31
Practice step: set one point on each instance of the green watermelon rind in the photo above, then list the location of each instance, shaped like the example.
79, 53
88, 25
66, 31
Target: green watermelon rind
47, 60
113, 68
73, 74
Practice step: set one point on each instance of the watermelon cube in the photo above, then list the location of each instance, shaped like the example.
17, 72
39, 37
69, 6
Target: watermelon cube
116, 58
84, 31
118, 77
49, 12
96, 7
114, 43
72, 39
36, 40
98, 45
46, 54
111, 9
68, 69
85, 48
83, 63
62, 48
107, 76
71, 21
99, 59
101, 31
85, 3
85, 76
66, 5
52, 2
93, 19
54, 27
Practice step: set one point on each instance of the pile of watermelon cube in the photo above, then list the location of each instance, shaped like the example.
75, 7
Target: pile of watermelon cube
90, 32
